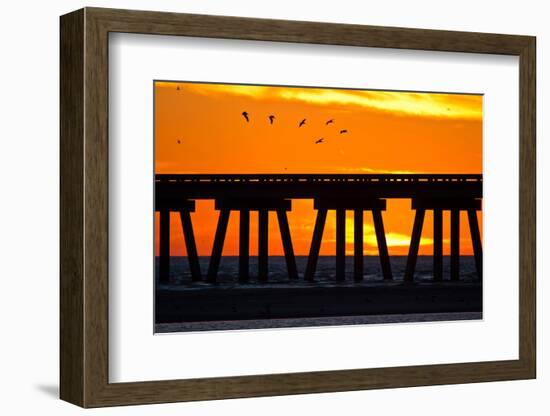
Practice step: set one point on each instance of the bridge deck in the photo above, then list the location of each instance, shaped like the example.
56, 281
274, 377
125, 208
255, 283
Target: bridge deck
203, 186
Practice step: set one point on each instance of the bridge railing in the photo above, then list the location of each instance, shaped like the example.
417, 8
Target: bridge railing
315, 178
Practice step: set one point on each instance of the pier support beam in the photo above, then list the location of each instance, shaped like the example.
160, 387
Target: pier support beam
315, 244
340, 244
382, 244
438, 245
245, 205
415, 243
438, 205
476, 242
358, 245
455, 244
165, 206
341, 205
164, 243
217, 247
287, 244
244, 245
263, 226
190, 245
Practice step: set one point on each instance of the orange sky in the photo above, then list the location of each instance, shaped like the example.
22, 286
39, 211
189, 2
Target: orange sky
388, 132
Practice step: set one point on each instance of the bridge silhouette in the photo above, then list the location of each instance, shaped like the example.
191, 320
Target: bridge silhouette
266, 193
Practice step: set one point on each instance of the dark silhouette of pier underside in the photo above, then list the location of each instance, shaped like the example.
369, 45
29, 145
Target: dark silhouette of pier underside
341, 193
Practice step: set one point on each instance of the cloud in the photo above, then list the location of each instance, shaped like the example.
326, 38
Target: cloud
438, 105
409, 103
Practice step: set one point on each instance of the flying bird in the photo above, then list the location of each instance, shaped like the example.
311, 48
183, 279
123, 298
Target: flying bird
302, 122
271, 118
329, 122
321, 140
343, 131
245, 115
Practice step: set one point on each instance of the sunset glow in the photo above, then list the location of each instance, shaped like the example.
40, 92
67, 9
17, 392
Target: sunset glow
199, 128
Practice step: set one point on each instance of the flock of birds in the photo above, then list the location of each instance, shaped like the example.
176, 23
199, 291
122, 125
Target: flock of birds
302, 123
272, 118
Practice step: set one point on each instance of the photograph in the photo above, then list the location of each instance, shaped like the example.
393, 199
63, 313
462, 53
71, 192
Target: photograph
297, 206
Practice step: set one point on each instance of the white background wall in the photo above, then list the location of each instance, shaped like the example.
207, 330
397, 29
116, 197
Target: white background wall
29, 160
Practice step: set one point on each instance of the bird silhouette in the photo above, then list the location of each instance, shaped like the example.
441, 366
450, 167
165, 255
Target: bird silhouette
321, 140
302, 123
179, 141
343, 131
245, 115
271, 118
329, 122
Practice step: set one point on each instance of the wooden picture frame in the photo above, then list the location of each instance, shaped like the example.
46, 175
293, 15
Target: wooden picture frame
84, 207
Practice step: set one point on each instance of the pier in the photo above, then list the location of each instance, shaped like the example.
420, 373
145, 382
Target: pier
357, 193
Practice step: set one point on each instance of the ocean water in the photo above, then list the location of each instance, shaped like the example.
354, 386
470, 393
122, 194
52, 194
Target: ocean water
326, 268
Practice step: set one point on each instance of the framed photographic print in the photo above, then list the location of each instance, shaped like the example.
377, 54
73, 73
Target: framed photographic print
255, 207
346, 241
